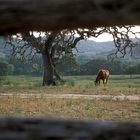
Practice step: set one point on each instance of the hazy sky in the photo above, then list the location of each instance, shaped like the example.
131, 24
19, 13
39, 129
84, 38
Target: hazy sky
103, 38
106, 37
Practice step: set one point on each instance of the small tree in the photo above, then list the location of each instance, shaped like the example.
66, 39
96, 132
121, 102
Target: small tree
129, 68
5, 68
68, 66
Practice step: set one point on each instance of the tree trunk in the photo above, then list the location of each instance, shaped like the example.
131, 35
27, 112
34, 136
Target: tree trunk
48, 70
57, 75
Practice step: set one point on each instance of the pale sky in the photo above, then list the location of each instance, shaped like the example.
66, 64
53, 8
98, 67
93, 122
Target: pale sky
107, 37
103, 38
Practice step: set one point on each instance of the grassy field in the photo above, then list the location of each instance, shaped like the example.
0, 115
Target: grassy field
117, 85
71, 108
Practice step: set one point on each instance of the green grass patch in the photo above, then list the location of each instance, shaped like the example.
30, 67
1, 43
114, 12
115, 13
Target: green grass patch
117, 85
20, 81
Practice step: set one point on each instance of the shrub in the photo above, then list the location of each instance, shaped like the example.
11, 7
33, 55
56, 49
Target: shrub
5, 68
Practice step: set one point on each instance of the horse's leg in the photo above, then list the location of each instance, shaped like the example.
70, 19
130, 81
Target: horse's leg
104, 81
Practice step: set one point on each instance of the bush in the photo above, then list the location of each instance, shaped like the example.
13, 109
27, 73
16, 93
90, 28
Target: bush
5, 68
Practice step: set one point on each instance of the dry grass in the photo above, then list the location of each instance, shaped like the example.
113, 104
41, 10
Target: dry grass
64, 89
72, 108
78, 108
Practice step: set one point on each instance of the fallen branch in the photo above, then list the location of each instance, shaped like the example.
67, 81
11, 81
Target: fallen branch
13, 128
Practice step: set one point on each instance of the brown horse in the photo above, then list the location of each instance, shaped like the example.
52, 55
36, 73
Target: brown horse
103, 74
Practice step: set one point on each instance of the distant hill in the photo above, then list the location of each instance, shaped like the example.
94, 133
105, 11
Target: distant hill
87, 50
89, 47
2, 45
2, 49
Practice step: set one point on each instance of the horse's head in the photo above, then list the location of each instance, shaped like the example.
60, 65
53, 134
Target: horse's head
96, 83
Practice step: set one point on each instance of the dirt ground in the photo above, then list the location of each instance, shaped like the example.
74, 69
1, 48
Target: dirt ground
76, 96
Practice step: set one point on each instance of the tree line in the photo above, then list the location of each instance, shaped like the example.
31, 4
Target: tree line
68, 66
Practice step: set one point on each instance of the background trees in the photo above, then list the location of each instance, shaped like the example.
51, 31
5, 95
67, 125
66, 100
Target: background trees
70, 66
5, 67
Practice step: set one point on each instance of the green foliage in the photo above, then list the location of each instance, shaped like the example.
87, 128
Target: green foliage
26, 68
92, 67
131, 68
5, 67
68, 66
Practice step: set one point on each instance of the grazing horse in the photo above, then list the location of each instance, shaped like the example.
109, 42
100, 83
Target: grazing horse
103, 74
